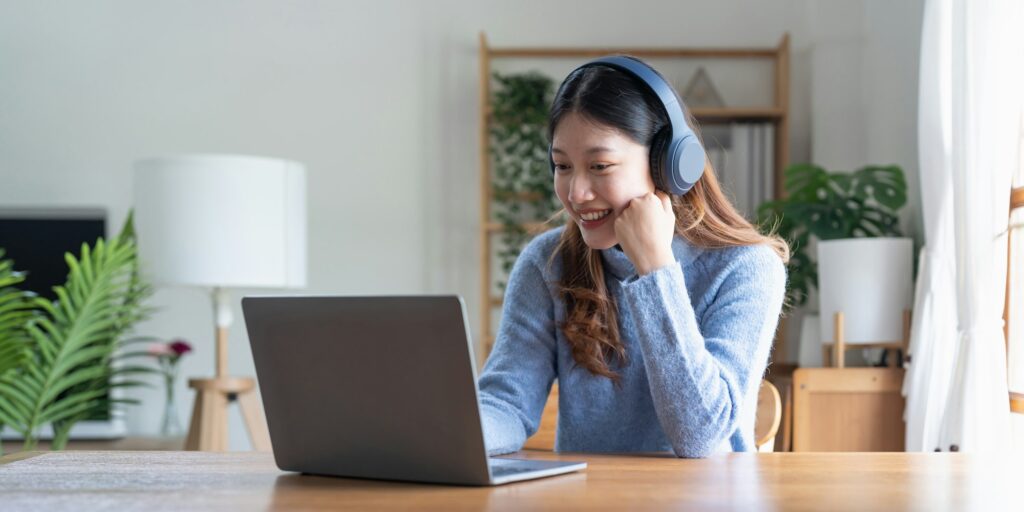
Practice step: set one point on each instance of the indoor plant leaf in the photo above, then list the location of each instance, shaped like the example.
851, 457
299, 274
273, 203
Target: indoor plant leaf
884, 184
807, 183
71, 341
830, 206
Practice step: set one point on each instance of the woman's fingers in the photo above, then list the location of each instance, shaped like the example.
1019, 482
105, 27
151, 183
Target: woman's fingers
666, 201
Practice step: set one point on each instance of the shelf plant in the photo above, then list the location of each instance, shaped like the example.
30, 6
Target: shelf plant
522, 187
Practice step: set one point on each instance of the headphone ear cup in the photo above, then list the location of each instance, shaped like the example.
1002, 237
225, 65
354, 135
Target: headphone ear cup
687, 158
659, 148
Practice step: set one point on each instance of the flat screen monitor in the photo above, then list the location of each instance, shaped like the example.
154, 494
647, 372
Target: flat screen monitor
37, 239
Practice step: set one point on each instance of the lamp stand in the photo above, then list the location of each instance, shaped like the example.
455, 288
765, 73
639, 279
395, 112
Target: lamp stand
834, 353
208, 429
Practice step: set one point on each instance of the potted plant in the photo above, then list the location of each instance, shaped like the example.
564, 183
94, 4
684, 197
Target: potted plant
852, 218
828, 206
59, 360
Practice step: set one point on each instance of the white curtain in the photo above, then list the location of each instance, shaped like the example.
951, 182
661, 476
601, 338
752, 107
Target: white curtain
970, 100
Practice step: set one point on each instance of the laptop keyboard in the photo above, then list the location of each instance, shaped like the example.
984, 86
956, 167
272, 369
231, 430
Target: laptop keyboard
505, 467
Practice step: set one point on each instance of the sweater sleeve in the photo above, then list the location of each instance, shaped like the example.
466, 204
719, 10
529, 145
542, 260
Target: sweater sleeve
700, 371
517, 378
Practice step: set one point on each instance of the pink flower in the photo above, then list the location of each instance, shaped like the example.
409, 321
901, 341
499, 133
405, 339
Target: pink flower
170, 351
180, 347
160, 349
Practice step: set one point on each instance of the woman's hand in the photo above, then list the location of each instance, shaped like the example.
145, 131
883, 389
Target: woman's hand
645, 230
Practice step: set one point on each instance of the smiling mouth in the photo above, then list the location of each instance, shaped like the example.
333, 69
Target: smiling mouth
592, 216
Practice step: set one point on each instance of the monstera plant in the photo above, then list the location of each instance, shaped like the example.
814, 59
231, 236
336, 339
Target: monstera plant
828, 206
59, 359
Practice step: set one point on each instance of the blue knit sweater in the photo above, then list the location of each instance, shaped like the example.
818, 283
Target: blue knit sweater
697, 337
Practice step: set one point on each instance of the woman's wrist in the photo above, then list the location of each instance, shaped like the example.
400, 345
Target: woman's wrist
657, 261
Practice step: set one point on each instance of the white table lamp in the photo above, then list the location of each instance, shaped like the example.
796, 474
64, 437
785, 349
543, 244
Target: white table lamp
865, 292
219, 222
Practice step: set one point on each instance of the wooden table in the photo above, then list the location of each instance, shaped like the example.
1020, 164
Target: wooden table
737, 481
135, 443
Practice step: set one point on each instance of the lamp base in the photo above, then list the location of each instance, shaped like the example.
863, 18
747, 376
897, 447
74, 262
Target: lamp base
834, 353
208, 430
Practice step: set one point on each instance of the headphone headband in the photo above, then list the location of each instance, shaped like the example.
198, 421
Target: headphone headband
654, 81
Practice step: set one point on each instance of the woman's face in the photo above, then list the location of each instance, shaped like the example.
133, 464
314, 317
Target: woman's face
598, 170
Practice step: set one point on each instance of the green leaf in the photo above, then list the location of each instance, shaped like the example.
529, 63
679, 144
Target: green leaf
17, 400
885, 185
10, 417
17, 310
80, 376
132, 355
68, 345
126, 401
129, 370
522, 184
130, 384
806, 183
71, 405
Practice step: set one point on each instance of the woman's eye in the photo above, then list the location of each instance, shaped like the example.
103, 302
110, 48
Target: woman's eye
561, 167
600, 167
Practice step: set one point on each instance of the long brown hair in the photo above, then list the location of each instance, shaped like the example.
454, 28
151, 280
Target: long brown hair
704, 215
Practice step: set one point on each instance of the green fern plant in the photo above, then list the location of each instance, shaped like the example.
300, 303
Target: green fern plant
71, 361
15, 311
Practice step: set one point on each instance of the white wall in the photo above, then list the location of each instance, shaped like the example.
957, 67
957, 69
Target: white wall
378, 99
864, 65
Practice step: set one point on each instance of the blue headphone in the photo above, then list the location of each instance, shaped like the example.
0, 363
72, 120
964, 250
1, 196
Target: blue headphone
677, 158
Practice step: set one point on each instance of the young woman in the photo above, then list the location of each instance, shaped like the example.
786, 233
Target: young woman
656, 313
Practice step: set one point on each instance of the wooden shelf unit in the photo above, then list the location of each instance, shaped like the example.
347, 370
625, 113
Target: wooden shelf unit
777, 114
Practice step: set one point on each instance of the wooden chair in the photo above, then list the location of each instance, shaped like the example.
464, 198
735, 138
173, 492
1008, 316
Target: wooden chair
769, 415
1016, 201
848, 409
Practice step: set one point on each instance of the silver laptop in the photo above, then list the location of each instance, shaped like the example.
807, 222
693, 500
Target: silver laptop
376, 387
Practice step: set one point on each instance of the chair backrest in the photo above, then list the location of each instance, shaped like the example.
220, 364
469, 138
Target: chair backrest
769, 415
1016, 201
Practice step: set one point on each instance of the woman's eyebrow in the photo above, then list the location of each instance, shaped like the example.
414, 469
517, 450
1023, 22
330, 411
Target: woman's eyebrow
590, 151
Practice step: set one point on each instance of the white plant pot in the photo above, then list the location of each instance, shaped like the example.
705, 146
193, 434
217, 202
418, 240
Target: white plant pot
871, 281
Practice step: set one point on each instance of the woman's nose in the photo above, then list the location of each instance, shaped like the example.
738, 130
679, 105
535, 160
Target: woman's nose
580, 190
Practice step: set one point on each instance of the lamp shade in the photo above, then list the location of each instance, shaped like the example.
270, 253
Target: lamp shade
870, 280
222, 221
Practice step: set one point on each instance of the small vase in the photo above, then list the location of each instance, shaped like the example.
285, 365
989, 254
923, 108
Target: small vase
170, 426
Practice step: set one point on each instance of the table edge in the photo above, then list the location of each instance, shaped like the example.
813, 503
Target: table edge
15, 457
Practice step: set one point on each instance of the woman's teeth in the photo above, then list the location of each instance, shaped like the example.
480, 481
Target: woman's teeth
594, 215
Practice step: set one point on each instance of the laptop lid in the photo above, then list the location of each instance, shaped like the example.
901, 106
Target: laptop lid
374, 387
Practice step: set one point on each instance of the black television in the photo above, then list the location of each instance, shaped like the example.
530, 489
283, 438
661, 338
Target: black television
36, 239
